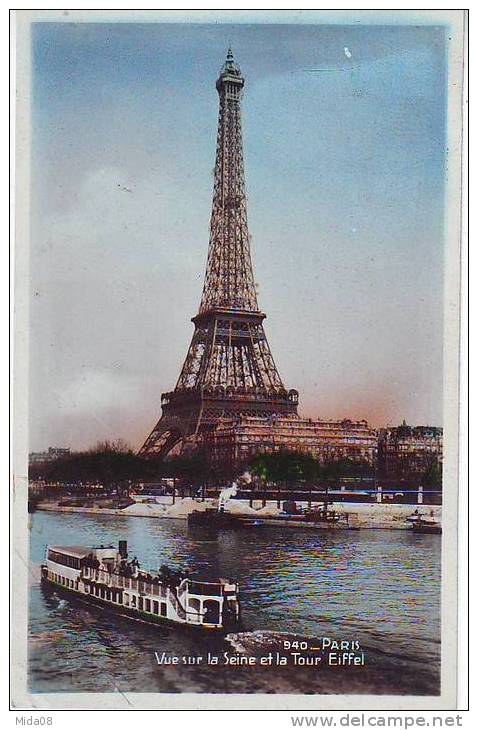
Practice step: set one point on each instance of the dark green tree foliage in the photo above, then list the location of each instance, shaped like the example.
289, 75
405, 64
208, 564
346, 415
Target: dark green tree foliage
107, 463
284, 467
333, 471
115, 464
433, 475
192, 468
288, 467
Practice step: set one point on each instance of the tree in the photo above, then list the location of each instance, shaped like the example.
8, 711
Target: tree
191, 469
108, 464
120, 446
432, 477
334, 471
285, 467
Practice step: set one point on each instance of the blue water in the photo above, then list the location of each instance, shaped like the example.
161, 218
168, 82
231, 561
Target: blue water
381, 588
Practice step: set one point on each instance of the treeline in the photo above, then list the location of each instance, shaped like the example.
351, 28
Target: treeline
115, 463
289, 467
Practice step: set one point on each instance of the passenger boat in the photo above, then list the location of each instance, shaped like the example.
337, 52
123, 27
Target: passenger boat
104, 577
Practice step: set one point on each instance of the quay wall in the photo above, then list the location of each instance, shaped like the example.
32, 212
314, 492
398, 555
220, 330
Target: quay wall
361, 515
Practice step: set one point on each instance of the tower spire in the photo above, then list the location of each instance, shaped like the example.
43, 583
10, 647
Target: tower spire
229, 64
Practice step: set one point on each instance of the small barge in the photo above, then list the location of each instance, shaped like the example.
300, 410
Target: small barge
321, 518
213, 519
424, 525
103, 576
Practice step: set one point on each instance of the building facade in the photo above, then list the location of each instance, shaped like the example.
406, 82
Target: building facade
42, 457
409, 451
234, 441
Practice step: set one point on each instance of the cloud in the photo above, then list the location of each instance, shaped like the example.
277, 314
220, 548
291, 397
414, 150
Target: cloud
92, 392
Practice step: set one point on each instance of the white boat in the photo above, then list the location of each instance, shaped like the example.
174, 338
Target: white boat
104, 577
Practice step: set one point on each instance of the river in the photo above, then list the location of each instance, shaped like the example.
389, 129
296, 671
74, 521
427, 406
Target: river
376, 587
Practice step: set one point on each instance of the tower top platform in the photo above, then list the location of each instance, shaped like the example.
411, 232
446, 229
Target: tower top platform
230, 73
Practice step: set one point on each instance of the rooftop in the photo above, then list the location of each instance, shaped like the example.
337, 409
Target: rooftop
76, 550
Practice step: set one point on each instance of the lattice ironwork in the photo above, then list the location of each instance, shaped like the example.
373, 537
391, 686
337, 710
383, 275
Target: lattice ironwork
229, 281
229, 369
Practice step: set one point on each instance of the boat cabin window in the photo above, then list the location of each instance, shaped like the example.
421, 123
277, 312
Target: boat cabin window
205, 589
63, 559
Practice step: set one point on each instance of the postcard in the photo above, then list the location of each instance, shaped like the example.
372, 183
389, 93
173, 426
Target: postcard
236, 409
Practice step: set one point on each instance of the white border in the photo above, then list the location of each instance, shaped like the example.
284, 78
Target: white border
447, 700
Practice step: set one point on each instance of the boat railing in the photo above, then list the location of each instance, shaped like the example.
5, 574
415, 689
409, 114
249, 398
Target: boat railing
115, 580
156, 588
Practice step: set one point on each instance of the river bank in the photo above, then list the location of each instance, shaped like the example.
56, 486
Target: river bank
360, 515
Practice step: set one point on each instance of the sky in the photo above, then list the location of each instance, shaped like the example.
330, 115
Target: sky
345, 159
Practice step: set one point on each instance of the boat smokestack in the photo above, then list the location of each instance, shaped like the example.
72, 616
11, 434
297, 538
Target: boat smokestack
123, 548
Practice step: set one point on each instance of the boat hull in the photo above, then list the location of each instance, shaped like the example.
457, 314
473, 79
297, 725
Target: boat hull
285, 522
133, 614
426, 530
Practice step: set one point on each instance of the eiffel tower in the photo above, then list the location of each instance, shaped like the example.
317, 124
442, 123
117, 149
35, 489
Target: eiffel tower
229, 370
